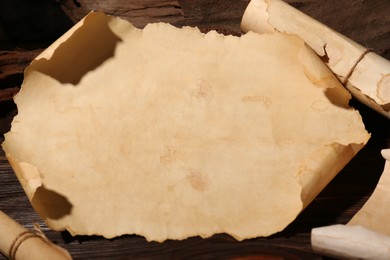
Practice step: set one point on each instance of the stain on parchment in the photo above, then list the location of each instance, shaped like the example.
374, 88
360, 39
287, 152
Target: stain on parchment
168, 156
197, 180
203, 90
171, 188
320, 105
266, 101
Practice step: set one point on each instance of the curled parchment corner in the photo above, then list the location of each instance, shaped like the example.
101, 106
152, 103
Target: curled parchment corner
314, 174
91, 40
367, 235
365, 74
166, 140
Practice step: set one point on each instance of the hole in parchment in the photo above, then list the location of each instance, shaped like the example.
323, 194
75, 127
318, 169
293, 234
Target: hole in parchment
88, 47
50, 204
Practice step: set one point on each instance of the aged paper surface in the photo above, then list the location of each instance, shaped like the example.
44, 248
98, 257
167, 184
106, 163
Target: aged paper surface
365, 74
169, 133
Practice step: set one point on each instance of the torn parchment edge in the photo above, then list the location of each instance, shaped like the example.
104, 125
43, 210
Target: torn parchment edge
365, 74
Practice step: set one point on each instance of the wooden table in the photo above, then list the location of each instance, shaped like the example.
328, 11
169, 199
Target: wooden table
26, 28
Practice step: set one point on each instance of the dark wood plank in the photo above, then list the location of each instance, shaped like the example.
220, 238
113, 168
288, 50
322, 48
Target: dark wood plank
365, 21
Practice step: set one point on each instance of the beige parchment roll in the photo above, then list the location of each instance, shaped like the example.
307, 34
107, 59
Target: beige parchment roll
25, 244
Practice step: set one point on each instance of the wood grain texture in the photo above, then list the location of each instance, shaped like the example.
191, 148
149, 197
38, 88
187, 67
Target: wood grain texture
365, 21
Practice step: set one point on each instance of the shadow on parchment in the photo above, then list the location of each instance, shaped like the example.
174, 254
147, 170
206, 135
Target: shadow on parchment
338, 97
50, 204
86, 49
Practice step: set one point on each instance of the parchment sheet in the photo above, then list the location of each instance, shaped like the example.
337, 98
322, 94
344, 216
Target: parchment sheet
169, 133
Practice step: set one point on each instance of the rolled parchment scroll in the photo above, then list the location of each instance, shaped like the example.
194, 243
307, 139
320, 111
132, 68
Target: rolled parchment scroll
350, 242
365, 74
18, 243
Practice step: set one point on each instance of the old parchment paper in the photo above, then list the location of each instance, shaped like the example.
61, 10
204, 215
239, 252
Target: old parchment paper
170, 133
